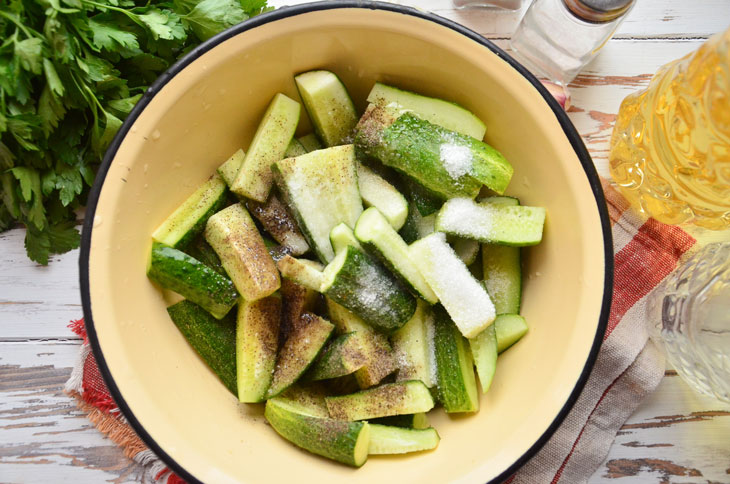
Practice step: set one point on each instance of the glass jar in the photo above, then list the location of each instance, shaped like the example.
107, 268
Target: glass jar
689, 317
505, 4
556, 38
670, 149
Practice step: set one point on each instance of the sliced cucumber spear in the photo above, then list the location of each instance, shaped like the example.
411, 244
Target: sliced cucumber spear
343, 356
329, 106
345, 442
484, 351
257, 338
229, 169
295, 148
413, 346
189, 219
306, 272
378, 193
233, 235
398, 440
366, 288
509, 328
269, 144
411, 421
502, 270
296, 300
341, 236
310, 142
382, 401
179, 272
276, 220
517, 226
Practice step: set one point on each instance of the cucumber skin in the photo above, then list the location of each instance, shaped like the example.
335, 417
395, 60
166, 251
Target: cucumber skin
187, 276
334, 439
410, 421
393, 306
426, 201
200, 249
214, 340
199, 226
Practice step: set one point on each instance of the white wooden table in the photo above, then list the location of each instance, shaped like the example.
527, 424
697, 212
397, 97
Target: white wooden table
674, 436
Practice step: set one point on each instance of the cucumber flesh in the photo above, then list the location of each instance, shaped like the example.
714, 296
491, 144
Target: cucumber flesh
382, 401
343, 356
257, 338
484, 351
397, 440
465, 298
295, 148
308, 400
310, 142
189, 219
449, 115
466, 249
233, 235
276, 220
345, 442
229, 169
179, 272
509, 329
378, 193
269, 144
306, 272
296, 300
380, 238
516, 226
214, 340
329, 106
341, 236
502, 269
413, 347
201, 250
411, 421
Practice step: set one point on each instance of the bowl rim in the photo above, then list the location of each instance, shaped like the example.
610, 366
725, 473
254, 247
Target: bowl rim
288, 11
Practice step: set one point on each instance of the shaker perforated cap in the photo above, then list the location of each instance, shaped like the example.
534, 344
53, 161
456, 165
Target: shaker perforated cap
599, 10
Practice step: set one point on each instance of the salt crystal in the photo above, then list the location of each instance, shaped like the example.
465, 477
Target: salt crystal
456, 159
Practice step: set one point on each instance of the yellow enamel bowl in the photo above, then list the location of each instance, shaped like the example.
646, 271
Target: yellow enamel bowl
206, 107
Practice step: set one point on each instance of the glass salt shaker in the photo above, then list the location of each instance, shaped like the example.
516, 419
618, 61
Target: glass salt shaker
505, 4
556, 38
689, 319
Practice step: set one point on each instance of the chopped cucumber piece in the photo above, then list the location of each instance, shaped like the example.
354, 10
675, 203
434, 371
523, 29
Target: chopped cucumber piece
509, 328
382, 401
189, 219
484, 351
257, 338
343, 356
276, 220
449, 115
345, 442
321, 191
214, 340
381, 239
201, 250
426, 201
378, 193
310, 142
177, 271
229, 169
502, 201
413, 347
466, 249
465, 298
329, 106
502, 270
517, 226
380, 359
397, 440
296, 299
233, 235
457, 386
341, 236
295, 148
306, 272
367, 289
299, 351
308, 400
411, 421
269, 144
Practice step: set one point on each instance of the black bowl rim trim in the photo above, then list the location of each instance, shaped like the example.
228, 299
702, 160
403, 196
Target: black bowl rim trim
282, 13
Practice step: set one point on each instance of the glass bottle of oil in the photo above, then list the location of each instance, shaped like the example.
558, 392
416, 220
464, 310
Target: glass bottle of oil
670, 149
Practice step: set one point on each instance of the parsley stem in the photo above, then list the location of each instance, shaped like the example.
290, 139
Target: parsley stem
28, 33
132, 16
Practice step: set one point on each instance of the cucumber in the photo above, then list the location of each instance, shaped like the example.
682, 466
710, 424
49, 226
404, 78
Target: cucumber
234, 237
269, 144
382, 401
342, 356
296, 299
413, 347
214, 340
466, 249
502, 269
366, 288
465, 298
381, 239
341, 236
516, 226
378, 193
257, 339
321, 190
411, 421
306, 272
397, 440
201, 250
409, 231
329, 106
177, 271
276, 220
380, 359
308, 400
188, 220
484, 351
299, 351
509, 329
345, 442
294, 149
457, 388
310, 142
229, 169
449, 115
426, 201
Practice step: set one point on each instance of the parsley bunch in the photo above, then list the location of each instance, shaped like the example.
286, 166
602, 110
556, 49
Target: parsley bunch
70, 72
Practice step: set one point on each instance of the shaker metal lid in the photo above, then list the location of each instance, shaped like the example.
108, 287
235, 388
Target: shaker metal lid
599, 10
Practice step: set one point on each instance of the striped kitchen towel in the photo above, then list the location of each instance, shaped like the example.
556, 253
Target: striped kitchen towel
628, 367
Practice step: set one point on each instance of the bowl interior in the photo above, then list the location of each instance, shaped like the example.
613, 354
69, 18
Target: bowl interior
210, 109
